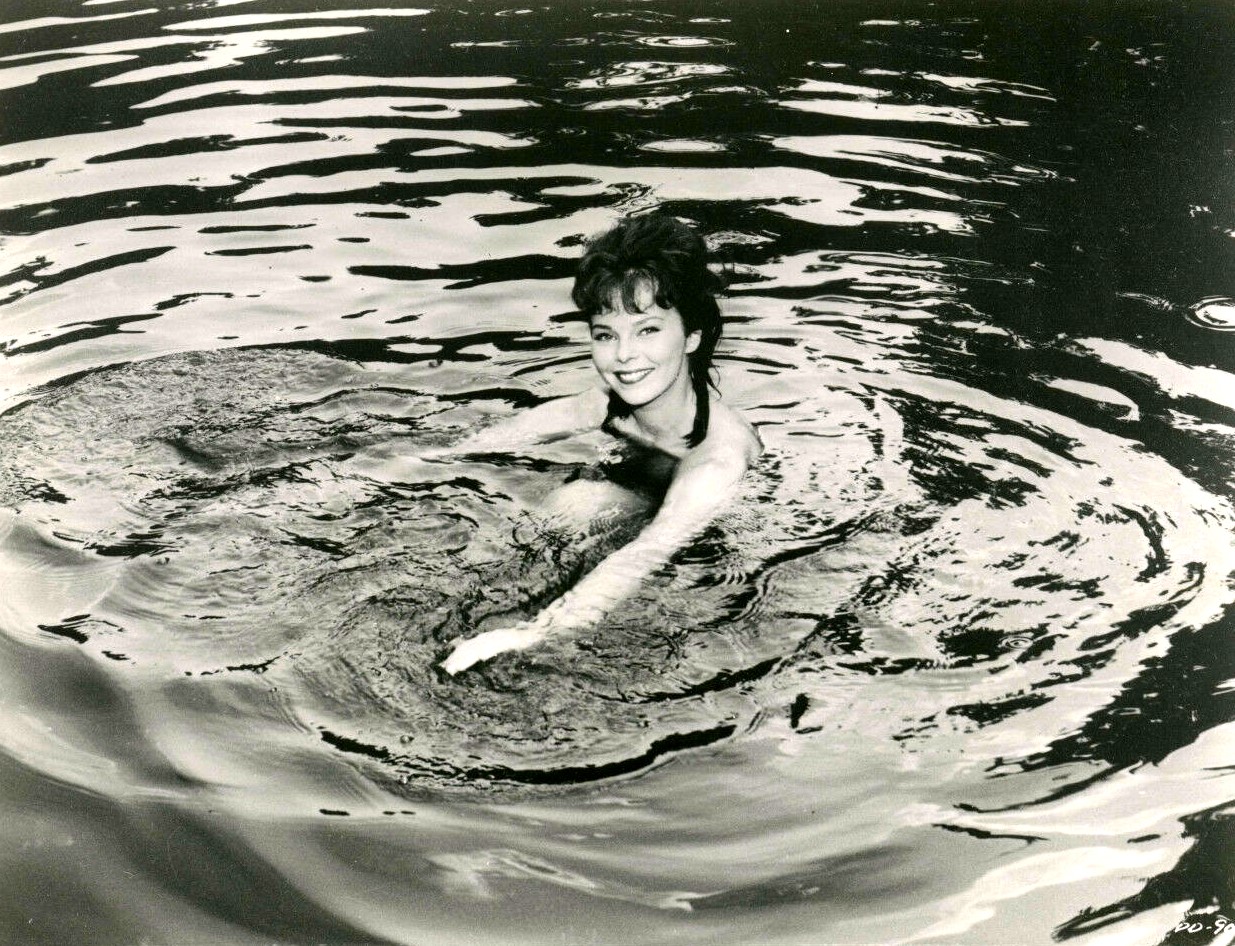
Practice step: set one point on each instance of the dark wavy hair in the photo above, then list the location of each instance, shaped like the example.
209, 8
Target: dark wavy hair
661, 252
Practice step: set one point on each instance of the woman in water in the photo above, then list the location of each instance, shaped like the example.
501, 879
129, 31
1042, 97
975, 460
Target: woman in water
648, 296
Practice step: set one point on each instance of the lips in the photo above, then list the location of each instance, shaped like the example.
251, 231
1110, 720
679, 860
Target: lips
632, 377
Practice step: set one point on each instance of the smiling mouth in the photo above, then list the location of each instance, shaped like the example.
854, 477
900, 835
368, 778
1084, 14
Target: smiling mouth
632, 377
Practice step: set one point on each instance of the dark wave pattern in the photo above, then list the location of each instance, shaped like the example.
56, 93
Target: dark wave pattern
955, 668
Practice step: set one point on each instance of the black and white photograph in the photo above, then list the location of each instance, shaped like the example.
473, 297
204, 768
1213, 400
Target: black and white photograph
617, 473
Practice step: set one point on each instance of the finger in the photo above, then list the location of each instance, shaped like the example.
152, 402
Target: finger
485, 646
463, 657
477, 649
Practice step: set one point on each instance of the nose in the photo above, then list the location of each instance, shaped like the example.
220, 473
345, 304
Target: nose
625, 348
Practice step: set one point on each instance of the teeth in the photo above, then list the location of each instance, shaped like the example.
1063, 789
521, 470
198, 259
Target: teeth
628, 377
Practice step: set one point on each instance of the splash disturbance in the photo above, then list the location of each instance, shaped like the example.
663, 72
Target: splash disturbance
956, 666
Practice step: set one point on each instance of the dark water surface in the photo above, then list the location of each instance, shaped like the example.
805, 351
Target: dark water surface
955, 669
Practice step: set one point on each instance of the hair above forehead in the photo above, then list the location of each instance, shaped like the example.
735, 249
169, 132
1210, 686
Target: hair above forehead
652, 251
632, 291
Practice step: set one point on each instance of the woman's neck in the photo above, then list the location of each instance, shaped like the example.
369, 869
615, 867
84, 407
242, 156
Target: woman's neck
671, 416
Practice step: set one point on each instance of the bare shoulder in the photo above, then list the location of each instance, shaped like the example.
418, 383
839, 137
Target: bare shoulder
731, 433
590, 406
730, 447
565, 415
558, 417
577, 411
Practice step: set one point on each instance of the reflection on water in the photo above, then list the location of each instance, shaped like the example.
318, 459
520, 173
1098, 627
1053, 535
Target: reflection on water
953, 669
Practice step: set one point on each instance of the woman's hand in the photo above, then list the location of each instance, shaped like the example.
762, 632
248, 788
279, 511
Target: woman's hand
491, 643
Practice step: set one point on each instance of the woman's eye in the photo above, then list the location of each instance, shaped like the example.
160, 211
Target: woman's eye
601, 337
649, 330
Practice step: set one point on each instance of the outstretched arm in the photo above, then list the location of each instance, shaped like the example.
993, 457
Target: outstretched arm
704, 483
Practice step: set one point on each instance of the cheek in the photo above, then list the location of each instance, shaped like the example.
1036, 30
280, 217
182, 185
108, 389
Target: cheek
670, 346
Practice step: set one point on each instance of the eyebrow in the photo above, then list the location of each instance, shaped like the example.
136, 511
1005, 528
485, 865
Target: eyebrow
639, 320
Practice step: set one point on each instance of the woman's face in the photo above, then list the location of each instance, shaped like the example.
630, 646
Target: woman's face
641, 355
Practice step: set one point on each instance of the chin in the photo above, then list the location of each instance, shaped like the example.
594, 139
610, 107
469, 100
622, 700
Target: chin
634, 399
